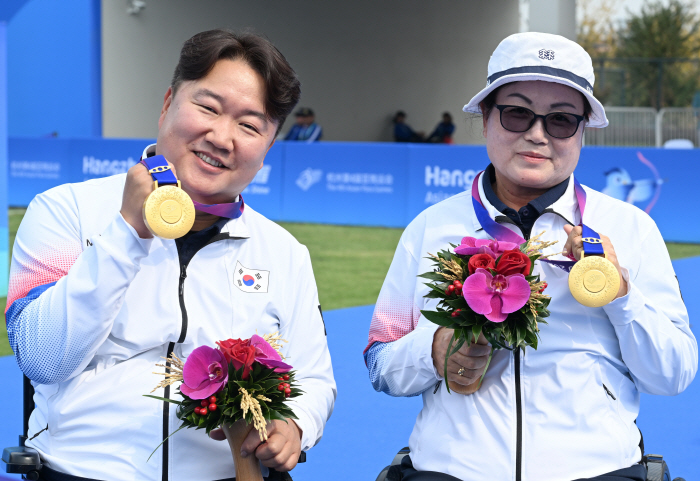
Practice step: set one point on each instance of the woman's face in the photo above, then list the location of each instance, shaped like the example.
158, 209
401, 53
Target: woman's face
533, 160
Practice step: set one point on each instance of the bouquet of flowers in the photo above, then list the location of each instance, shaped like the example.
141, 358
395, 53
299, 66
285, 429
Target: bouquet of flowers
238, 386
487, 287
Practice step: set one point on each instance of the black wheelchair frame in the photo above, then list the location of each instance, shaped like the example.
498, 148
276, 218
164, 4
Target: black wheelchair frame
657, 470
26, 461
21, 459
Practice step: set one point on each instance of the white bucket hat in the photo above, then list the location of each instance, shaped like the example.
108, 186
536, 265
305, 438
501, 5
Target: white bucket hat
542, 56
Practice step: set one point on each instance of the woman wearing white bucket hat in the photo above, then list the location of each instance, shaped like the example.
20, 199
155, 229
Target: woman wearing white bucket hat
566, 410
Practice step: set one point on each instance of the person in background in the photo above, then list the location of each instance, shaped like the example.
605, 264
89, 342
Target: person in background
305, 129
402, 131
444, 130
567, 410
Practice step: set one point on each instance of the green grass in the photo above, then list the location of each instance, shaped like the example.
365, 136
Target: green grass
680, 251
349, 262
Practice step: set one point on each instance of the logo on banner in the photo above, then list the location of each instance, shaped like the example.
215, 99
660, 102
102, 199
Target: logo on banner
101, 168
30, 169
455, 180
360, 182
620, 185
309, 177
251, 280
259, 183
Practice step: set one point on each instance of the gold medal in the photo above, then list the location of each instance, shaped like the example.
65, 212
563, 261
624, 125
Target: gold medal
168, 211
594, 281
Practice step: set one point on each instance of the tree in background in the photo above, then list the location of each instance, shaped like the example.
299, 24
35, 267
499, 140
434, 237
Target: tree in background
662, 31
651, 59
598, 36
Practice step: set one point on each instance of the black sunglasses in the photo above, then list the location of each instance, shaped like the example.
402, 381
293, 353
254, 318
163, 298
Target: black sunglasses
560, 125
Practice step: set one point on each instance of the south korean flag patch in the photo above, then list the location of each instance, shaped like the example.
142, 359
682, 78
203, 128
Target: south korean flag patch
251, 280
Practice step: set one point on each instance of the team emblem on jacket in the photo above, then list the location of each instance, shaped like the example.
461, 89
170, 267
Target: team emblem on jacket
251, 280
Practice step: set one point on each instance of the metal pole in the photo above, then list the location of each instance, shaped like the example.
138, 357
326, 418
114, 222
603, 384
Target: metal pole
659, 82
4, 231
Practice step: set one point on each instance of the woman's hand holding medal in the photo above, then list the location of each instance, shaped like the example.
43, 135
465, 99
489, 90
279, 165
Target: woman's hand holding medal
138, 186
573, 248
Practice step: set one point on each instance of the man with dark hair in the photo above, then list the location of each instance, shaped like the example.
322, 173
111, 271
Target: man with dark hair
95, 300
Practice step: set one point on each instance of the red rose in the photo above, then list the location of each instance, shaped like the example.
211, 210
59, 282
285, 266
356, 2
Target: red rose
239, 353
483, 261
513, 262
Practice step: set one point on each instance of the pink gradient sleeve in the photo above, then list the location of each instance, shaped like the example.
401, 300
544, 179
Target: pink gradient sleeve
39, 264
394, 316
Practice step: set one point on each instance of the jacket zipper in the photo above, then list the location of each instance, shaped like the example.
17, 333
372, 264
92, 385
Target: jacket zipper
519, 407
166, 416
519, 418
609, 393
171, 346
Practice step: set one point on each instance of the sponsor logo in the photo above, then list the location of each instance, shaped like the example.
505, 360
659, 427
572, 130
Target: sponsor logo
359, 182
354, 182
309, 177
546, 54
100, 168
620, 185
438, 177
251, 280
30, 169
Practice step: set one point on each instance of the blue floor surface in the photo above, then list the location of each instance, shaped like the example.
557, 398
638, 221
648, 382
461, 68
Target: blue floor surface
367, 428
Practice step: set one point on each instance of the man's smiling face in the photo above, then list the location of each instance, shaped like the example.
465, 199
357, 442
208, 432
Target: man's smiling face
215, 131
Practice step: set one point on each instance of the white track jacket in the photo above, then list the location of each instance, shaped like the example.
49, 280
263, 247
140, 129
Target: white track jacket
566, 410
93, 308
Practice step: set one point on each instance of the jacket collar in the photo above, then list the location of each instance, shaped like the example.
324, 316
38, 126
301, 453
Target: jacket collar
566, 206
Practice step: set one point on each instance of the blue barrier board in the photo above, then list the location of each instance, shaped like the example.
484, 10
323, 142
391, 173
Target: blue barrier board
345, 183
441, 171
374, 184
264, 193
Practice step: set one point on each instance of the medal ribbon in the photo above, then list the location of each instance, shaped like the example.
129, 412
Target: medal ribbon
162, 173
502, 233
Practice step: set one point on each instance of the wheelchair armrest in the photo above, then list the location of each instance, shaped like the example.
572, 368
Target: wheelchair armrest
395, 462
657, 470
22, 460
400, 455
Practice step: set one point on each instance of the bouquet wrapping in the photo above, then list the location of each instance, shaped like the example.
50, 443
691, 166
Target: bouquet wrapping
240, 385
487, 287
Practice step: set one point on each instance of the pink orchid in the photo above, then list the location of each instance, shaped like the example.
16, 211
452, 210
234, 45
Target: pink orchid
267, 355
494, 248
495, 296
205, 372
